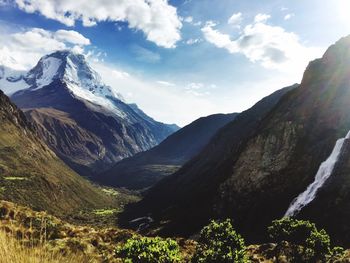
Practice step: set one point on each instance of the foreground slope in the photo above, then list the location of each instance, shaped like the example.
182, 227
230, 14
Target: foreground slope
147, 168
31, 174
85, 122
186, 198
280, 159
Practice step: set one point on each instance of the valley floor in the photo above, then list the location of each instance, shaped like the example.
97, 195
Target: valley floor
31, 237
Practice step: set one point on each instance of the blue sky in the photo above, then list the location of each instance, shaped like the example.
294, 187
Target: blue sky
179, 59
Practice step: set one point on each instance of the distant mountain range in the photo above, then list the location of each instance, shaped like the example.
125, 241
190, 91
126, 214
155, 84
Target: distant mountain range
31, 174
85, 122
255, 166
146, 168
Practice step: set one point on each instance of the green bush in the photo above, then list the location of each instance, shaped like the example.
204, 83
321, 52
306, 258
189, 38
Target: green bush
149, 250
220, 243
308, 244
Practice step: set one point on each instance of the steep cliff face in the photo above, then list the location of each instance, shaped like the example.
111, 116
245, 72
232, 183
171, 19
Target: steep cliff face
31, 174
186, 199
253, 174
331, 209
282, 158
146, 168
85, 122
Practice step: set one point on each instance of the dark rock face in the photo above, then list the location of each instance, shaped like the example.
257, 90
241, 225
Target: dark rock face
147, 168
32, 175
88, 136
10, 112
187, 198
281, 160
331, 208
274, 163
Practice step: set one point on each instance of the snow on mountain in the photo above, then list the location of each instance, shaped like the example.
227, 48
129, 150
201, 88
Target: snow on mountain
49, 68
72, 69
12, 80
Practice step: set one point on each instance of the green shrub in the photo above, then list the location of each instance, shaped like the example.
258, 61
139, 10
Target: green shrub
308, 244
149, 250
220, 243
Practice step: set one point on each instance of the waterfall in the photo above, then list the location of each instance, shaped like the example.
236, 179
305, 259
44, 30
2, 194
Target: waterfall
324, 172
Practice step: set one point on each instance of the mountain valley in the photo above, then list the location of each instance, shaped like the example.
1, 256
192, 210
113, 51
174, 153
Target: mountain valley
259, 172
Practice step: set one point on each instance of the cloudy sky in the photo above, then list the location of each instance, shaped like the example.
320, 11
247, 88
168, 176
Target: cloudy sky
179, 59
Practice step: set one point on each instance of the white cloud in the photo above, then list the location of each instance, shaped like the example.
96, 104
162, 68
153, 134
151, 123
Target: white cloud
165, 83
24, 49
288, 16
193, 41
235, 19
78, 49
188, 19
271, 46
155, 18
194, 86
71, 36
198, 89
163, 100
198, 23
261, 18
120, 74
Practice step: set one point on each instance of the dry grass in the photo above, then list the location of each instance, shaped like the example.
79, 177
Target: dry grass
27, 236
11, 250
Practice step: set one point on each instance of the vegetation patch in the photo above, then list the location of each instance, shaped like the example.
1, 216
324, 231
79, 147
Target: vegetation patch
15, 178
105, 212
219, 242
52, 236
110, 191
149, 250
301, 241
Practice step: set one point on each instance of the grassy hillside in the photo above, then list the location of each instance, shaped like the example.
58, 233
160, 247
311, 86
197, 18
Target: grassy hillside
49, 237
12, 251
31, 174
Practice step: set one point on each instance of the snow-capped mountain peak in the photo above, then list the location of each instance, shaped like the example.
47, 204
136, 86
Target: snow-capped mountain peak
73, 70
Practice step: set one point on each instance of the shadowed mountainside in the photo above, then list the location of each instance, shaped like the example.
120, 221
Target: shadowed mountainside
146, 168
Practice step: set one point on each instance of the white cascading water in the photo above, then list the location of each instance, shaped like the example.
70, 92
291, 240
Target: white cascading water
323, 173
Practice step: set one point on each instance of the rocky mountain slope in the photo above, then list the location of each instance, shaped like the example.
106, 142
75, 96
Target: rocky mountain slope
146, 168
85, 122
277, 162
187, 197
31, 174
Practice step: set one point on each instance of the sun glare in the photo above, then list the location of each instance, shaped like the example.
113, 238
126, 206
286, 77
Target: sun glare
343, 7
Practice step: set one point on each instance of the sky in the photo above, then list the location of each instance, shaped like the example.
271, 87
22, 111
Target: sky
179, 59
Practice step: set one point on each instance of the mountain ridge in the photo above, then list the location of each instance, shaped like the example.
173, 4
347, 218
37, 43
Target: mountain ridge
31, 174
64, 81
146, 168
186, 197
276, 163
